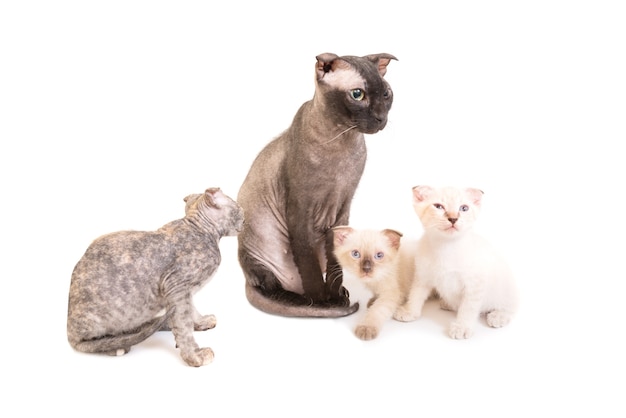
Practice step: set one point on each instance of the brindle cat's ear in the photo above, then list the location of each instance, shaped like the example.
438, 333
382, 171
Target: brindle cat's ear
211, 194
382, 61
341, 233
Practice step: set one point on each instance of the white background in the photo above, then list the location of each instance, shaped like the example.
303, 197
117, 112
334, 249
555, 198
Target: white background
111, 112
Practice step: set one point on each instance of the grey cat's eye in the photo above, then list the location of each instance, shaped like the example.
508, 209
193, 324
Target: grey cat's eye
357, 94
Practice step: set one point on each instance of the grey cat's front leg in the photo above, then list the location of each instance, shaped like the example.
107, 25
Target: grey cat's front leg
334, 274
306, 258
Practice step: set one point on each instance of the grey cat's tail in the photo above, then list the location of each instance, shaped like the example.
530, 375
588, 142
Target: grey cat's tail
121, 344
285, 307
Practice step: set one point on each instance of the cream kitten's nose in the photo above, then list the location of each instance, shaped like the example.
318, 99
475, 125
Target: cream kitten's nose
453, 220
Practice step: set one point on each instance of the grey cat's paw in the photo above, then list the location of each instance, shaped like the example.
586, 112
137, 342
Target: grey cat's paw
205, 322
366, 332
198, 357
497, 319
405, 314
459, 331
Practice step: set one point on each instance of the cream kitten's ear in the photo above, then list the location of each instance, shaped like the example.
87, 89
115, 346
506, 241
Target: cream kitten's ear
393, 237
476, 195
341, 233
420, 193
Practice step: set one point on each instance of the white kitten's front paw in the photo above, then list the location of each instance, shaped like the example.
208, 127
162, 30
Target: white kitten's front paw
497, 319
366, 332
405, 314
205, 322
459, 331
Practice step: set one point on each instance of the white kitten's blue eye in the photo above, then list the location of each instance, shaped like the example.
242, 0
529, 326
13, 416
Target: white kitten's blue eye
439, 206
355, 254
357, 94
464, 208
379, 255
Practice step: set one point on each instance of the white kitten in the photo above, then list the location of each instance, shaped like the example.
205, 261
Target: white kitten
457, 263
372, 259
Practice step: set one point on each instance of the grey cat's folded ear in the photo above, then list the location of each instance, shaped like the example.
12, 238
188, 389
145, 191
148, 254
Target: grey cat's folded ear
382, 61
325, 63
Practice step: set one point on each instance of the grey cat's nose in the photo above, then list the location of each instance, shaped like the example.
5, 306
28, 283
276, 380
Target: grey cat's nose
453, 220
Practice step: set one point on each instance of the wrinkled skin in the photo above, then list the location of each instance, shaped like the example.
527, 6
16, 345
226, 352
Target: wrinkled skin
302, 184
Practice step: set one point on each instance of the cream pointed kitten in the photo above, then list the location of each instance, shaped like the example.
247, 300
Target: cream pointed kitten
373, 259
456, 262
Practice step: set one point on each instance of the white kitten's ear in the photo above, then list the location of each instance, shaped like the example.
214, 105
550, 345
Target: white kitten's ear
420, 193
393, 237
476, 195
341, 233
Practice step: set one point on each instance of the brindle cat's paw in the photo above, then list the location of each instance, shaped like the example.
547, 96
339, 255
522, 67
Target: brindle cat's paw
119, 352
198, 357
366, 332
206, 322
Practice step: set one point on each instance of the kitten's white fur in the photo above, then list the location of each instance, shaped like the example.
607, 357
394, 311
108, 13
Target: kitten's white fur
457, 263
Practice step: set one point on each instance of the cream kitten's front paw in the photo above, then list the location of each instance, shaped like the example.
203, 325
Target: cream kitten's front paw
497, 319
459, 331
366, 332
405, 314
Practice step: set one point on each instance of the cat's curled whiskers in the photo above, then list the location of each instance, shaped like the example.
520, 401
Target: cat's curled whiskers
339, 134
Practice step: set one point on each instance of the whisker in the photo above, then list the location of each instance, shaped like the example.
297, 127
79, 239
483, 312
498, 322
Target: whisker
340, 133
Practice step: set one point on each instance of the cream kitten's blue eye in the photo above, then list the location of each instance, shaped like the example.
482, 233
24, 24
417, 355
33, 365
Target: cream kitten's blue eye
438, 206
379, 255
357, 94
355, 254
464, 208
